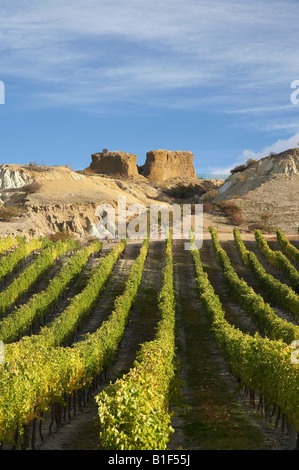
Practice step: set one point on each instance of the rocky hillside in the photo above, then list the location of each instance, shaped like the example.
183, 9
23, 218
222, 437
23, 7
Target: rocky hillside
267, 191
43, 200
258, 173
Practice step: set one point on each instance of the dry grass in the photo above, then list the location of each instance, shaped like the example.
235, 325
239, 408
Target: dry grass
32, 187
233, 212
9, 212
61, 235
210, 195
265, 228
266, 216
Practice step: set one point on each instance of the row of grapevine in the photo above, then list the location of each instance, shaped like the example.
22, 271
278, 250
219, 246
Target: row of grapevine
100, 348
254, 305
34, 376
263, 365
28, 277
281, 293
19, 321
7, 243
62, 328
279, 260
288, 247
9, 262
134, 410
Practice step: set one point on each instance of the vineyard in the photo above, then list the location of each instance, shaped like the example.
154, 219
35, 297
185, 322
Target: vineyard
169, 348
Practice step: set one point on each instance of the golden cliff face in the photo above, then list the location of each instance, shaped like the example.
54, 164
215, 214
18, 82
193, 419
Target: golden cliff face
162, 165
117, 164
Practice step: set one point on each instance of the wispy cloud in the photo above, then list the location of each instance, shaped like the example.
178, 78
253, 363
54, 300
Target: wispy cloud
113, 50
261, 109
289, 126
277, 147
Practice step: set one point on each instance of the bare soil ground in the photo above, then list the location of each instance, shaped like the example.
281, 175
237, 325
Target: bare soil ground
274, 203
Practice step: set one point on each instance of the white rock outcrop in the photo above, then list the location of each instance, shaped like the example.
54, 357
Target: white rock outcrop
285, 163
11, 178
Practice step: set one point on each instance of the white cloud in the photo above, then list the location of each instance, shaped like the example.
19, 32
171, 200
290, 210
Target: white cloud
261, 109
219, 170
129, 49
277, 147
288, 126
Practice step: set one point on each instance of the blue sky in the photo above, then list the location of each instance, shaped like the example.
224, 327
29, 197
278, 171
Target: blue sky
210, 77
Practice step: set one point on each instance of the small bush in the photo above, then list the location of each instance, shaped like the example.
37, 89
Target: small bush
208, 207
244, 166
261, 226
228, 207
182, 191
31, 188
266, 216
233, 212
87, 171
61, 235
238, 168
250, 161
237, 219
37, 166
9, 212
33, 164
210, 195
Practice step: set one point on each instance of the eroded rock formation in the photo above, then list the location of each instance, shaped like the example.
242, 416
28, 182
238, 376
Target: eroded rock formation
115, 164
283, 164
11, 178
161, 165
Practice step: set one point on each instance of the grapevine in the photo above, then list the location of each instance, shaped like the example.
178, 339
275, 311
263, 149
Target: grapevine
35, 375
279, 292
26, 279
133, 411
288, 247
18, 322
279, 260
261, 313
262, 364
